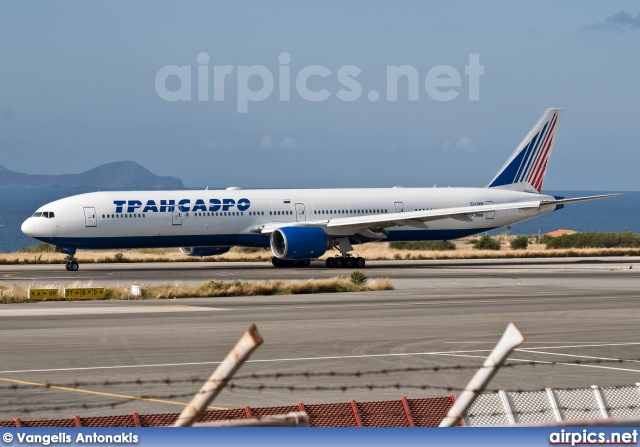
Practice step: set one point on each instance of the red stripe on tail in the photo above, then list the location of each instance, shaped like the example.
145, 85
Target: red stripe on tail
542, 158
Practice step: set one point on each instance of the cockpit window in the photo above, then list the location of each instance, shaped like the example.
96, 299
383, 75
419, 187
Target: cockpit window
47, 214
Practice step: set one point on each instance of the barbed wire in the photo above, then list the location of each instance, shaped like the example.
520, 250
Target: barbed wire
322, 388
233, 385
318, 374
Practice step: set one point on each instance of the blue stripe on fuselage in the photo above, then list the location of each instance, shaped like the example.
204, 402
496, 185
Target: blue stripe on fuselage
226, 240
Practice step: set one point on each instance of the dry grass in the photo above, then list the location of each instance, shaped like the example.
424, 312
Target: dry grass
372, 251
17, 293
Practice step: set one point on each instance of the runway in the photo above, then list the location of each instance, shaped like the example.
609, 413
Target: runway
443, 313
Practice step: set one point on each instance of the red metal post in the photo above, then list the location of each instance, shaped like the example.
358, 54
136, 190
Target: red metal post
247, 412
18, 422
407, 411
136, 419
356, 413
77, 421
453, 401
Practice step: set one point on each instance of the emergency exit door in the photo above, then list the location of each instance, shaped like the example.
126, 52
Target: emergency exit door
90, 217
300, 214
177, 216
490, 214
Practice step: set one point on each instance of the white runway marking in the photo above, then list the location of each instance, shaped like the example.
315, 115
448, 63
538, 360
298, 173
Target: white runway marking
574, 355
298, 359
547, 362
104, 310
580, 346
466, 353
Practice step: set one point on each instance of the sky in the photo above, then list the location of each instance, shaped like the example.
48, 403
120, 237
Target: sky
308, 101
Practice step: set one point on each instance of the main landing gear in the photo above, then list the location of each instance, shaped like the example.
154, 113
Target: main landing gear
287, 263
347, 261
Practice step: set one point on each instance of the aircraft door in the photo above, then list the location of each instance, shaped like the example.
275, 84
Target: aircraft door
399, 207
300, 214
177, 216
490, 214
90, 217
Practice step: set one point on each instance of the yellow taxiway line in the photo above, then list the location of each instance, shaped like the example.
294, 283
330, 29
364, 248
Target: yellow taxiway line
101, 393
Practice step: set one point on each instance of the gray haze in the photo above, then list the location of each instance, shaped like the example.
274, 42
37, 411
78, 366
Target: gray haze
77, 89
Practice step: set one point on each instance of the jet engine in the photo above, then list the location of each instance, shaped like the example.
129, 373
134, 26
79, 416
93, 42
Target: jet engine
295, 243
204, 251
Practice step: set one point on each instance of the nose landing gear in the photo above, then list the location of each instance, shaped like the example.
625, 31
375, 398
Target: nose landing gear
72, 263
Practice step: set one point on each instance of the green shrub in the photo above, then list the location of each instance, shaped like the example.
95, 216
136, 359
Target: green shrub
520, 243
358, 278
119, 257
487, 243
423, 245
592, 239
40, 248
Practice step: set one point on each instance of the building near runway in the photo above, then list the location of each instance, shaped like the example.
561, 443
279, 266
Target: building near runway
557, 233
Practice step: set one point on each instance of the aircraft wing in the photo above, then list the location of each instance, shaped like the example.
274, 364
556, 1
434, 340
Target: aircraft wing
418, 219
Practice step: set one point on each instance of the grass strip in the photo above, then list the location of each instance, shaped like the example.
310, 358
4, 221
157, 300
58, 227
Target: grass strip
17, 293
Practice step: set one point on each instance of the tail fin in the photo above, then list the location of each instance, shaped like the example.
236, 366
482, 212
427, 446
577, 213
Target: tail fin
525, 169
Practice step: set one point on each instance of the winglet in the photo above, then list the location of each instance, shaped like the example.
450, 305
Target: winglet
526, 168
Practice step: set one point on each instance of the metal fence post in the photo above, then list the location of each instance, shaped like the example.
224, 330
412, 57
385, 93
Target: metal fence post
294, 419
510, 339
220, 377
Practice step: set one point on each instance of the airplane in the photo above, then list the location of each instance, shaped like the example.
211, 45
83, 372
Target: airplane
301, 224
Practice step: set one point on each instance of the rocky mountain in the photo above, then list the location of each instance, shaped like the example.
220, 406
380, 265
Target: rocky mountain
117, 175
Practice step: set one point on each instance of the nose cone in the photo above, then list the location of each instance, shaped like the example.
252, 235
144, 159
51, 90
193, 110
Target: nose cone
27, 227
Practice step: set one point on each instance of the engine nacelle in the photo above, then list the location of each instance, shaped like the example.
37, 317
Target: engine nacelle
204, 251
295, 243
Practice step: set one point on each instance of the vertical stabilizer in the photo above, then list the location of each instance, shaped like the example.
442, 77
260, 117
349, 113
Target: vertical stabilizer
525, 169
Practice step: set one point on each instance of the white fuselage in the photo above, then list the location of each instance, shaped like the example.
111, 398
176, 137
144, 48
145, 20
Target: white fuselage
206, 218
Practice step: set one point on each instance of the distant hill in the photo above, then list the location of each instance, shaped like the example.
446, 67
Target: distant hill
117, 175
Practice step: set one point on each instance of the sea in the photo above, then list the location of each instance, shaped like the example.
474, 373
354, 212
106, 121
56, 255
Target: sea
616, 214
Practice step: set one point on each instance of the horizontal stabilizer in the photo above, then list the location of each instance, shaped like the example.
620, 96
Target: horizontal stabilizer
578, 199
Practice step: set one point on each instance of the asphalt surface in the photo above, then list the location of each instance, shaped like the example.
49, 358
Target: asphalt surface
442, 313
